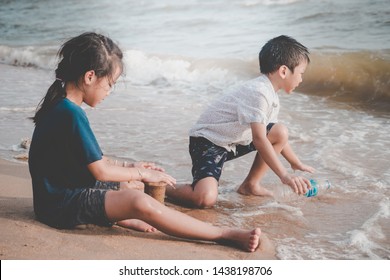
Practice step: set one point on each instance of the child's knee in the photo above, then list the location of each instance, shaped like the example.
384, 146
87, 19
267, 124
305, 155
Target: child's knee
140, 204
206, 200
206, 193
279, 133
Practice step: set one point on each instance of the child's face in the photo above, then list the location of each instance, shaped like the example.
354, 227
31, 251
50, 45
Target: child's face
293, 79
101, 88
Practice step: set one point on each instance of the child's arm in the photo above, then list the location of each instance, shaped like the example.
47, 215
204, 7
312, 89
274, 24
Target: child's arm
140, 164
103, 170
294, 161
266, 150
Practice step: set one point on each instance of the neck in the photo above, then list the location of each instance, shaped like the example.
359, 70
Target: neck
275, 81
74, 93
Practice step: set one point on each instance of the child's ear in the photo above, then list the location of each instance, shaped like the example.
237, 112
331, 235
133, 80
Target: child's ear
89, 77
283, 71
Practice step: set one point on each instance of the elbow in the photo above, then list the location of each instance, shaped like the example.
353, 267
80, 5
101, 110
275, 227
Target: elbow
100, 176
99, 171
259, 142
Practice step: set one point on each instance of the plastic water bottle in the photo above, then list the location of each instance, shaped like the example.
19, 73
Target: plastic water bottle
316, 187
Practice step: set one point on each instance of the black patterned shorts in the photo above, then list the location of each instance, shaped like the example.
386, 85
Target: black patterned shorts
208, 158
90, 205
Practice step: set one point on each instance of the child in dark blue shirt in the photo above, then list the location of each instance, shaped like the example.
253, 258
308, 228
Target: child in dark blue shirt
74, 184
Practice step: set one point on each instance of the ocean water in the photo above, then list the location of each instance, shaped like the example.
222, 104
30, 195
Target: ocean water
180, 55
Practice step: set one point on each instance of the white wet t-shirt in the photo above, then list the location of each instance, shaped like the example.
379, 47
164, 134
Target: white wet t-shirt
226, 122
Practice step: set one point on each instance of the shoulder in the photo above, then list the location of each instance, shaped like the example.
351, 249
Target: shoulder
67, 105
67, 114
264, 84
242, 90
258, 84
255, 89
70, 109
265, 89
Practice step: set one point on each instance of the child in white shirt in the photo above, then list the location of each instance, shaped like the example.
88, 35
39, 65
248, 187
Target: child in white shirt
245, 120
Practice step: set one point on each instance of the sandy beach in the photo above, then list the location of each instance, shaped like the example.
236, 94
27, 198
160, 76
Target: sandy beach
22, 237
180, 56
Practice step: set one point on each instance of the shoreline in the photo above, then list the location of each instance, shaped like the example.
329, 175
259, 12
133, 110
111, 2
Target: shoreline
22, 237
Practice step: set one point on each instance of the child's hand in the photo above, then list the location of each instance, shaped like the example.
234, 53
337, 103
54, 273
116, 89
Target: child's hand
156, 176
303, 167
298, 184
148, 165
132, 185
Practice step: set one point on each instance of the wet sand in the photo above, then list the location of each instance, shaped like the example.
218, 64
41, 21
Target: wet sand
22, 237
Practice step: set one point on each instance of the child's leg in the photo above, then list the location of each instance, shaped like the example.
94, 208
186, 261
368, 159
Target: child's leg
293, 159
203, 195
278, 136
136, 224
207, 163
132, 204
251, 185
130, 223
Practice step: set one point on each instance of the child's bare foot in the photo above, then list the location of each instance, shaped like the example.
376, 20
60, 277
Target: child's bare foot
246, 240
137, 225
248, 189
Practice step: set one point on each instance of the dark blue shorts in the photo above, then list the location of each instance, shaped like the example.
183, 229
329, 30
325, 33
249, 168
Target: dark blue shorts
89, 205
208, 158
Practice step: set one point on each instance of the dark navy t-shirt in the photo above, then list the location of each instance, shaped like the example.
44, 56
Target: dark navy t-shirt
62, 146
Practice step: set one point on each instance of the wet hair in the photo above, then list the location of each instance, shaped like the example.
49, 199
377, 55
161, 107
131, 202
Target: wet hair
88, 51
282, 50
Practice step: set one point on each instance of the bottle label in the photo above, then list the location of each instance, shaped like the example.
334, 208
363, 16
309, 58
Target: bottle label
315, 186
314, 189
312, 192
